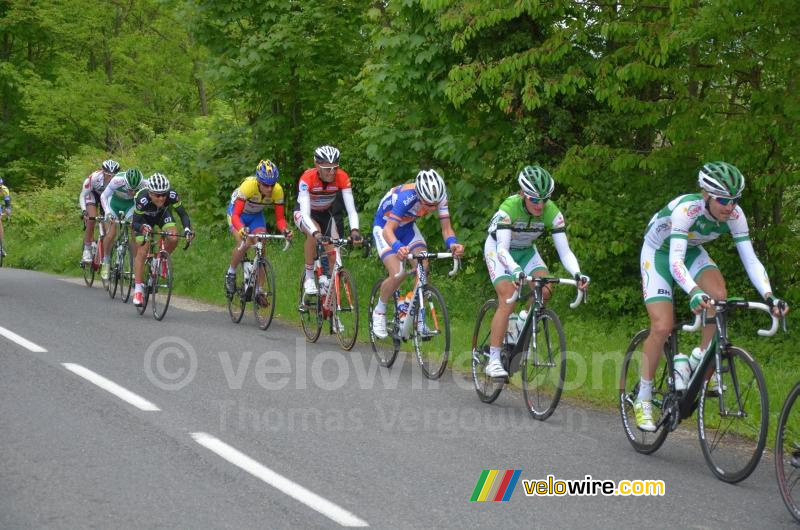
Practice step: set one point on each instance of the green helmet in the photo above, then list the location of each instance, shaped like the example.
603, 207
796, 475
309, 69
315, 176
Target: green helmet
721, 179
134, 177
536, 182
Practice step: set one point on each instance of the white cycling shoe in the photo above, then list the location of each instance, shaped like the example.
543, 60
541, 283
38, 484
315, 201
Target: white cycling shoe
379, 325
495, 369
310, 287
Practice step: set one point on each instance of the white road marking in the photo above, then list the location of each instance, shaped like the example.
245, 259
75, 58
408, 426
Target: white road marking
110, 386
22, 341
290, 488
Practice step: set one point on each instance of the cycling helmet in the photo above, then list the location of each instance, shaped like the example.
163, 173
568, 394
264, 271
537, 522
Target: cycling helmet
133, 177
267, 172
158, 183
1, 181
326, 154
536, 182
721, 180
111, 166
429, 186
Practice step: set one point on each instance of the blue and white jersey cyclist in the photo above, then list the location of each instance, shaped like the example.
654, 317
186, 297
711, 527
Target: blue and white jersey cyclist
396, 234
673, 253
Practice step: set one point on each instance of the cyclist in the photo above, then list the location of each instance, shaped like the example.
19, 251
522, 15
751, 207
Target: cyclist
118, 197
510, 250
153, 209
673, 252
396, 234
315, 215
5, 209
88, 200
246, 213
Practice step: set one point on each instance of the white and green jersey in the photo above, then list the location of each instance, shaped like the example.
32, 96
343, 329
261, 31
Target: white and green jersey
118, 196
686, 217
525, 228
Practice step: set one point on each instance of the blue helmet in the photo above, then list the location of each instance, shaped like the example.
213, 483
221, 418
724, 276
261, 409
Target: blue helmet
267, 173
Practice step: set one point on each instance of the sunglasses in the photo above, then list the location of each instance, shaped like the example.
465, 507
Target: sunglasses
159, 195
724, 201
328, 168
535, 200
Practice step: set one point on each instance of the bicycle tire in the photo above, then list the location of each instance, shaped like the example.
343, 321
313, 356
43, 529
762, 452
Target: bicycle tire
310, 308
741, 388
787, 452
148, 282
113, 273
385, 350
99, 257
542, 394
487, 388
162, 286
438, 361
346, 303
2, 256
264, 296
127, 275
237, 300
88, 271
642, 441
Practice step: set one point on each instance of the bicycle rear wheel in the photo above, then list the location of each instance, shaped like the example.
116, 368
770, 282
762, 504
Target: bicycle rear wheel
787, 452
643, 441
88, 271
345, 316
237, 300
113, 275
385, 350
127, 278
544, 365
264, 294
162, 285
733, 425
310, 308
488, 388
431, 333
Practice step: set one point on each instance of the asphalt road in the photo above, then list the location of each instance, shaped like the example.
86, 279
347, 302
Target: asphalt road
194, 422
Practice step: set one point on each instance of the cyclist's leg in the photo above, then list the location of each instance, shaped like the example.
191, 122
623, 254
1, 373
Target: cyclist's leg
1, 230
255, 224
709, 278
657, 290
138, 260
88, 233
310, 246
533, 265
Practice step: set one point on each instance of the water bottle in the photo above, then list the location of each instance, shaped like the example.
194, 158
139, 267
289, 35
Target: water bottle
695, 359
323, 285
247, 266
512, 334
402, 306
94, 248
682, 371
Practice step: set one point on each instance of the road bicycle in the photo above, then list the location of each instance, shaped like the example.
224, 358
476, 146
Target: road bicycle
423, 321
787, 452
158, 268
90, 268
255, 282
337, 298
2, 248
539, 354
732, 416
121, 261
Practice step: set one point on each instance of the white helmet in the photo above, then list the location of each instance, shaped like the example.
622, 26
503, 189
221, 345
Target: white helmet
326, 153
111, 166
430, 186
158, 183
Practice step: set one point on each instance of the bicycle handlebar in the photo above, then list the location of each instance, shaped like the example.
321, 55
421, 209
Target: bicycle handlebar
700, 318
264, 237
429, 255
168, 234
581, 296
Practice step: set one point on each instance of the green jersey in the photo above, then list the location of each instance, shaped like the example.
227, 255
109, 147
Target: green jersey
525, 227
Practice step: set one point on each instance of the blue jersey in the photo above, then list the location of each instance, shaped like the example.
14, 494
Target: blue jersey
402, 205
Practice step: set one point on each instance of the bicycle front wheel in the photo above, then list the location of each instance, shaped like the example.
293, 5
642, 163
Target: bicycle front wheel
488, 388
345, 316
386, 349
310, 308
126, 275
88, 271
162, 285
148, 285
544, 365
113, 275
237, 300
431, 333
733, 424
643, 441
264, 294
787, 452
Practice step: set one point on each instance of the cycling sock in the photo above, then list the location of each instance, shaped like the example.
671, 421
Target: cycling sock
309, 272
645, 389
380, 307
87, 246
106, 259
231, 270
494, 353
139, 288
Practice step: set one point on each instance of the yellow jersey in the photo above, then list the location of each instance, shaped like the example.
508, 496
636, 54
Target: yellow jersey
254, 200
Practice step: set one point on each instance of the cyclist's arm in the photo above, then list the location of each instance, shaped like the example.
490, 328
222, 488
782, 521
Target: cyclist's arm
85, 191
502, 236
755, 269
388, 231
447, 231
304, 201
678, 243
7, 199
105, 197
185, 221
236, 214
350, 205
565, 253
280, 217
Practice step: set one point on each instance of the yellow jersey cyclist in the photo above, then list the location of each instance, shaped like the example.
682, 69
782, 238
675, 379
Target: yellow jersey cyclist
396, 234
118, 197
153, 208
89, 202
246, 213
510, 250
5, 210
673, 252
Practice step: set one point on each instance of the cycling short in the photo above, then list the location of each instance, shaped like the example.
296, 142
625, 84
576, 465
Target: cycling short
528, 259
162, 221
409, 237
93, 198
121, 205
330, 224
657, 281
254, 222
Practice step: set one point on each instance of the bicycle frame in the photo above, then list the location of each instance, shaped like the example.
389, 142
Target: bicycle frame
333, 272
260, 255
